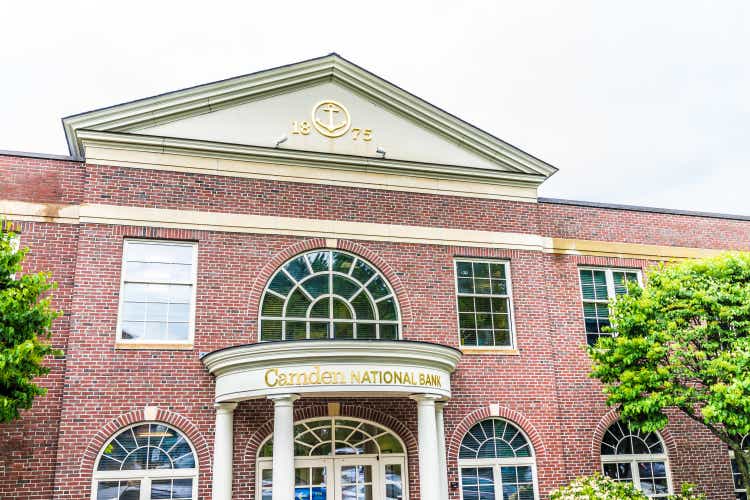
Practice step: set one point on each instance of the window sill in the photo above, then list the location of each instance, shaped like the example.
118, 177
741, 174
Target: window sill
495, 351
147, 346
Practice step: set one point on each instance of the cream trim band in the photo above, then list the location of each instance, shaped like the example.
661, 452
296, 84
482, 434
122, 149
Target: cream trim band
309, 168
332, 229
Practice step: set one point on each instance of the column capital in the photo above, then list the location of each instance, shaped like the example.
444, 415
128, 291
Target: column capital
225, 407
440, 404
283, 399
426, 399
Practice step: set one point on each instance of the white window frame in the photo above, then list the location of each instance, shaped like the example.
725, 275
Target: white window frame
331, 273
608, 272
633, 460
509, 294
144, 476
498, 463
194, 283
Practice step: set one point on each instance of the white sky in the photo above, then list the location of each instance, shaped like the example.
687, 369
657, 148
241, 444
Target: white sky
640, 101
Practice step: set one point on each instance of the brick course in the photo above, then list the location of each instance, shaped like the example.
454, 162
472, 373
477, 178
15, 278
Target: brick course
545, 389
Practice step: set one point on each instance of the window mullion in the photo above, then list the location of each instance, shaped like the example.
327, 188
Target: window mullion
146, 489
498, 480
610, 284
634, 473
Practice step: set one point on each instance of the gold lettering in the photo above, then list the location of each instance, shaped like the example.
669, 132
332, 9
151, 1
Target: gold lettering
338, 378
366, 377
388, 377
272, 372
325, 378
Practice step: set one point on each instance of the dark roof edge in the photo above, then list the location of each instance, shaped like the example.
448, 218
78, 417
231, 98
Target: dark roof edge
42, 156
637, 208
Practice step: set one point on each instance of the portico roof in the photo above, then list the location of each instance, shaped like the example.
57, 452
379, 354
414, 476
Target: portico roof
332, 367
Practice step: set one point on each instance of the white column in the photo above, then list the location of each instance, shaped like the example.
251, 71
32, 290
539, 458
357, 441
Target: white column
283, 446
443, 471
221, 487
429, 462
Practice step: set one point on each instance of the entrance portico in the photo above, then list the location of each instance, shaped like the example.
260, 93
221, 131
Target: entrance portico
286, 371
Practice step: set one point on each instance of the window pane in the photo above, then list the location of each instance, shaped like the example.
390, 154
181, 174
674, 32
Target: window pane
151, 252
270, 330
387, 310
158, 272
297, 268
363, 307
388, 332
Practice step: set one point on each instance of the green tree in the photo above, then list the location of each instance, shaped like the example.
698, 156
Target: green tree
25, 321
683, 343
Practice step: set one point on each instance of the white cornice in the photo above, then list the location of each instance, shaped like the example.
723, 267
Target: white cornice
191, 147
130, 117
341, 351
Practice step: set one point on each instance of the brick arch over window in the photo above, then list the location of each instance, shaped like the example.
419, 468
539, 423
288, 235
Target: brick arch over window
613, 416
484, 413
267, 271
179, 422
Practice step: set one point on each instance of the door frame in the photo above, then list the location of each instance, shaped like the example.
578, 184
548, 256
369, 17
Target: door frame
333, 467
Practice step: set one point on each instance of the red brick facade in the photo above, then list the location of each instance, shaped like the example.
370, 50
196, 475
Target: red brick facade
544, 389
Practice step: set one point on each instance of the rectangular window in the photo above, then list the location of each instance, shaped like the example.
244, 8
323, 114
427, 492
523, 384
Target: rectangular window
157, 294
598, 286
484, 303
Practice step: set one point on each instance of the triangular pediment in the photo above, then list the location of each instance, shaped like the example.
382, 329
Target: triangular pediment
325, 106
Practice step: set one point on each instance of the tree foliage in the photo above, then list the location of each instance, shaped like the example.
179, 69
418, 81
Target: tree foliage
25, 320
683, 342
598, 487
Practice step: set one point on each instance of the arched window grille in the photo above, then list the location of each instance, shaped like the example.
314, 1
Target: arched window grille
146, 461
629, 455
326, 294
496, 462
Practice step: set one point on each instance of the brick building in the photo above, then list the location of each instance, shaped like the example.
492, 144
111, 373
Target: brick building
308, 283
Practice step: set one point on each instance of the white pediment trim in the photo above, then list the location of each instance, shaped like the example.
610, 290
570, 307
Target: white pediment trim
209, 149
128, 118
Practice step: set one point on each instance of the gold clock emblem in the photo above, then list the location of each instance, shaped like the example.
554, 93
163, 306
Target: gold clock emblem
331, 119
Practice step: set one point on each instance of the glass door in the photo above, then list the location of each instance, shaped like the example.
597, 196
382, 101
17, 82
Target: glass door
356, 479
345, 478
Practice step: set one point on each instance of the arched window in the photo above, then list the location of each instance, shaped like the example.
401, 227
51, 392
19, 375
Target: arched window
496, 462
328, 294
632, 456
340, 457
146, 461
740, 490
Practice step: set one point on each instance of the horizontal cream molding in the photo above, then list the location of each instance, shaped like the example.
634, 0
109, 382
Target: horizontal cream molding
333, 229
386, 177
266, 224
39, 212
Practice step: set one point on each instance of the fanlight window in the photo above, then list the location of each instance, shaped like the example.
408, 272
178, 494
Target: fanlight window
339, 437
328, 294
497, 462
148, 461
632, 456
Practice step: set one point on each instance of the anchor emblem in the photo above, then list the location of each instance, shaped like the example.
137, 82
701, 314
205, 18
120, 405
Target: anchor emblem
330, 118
